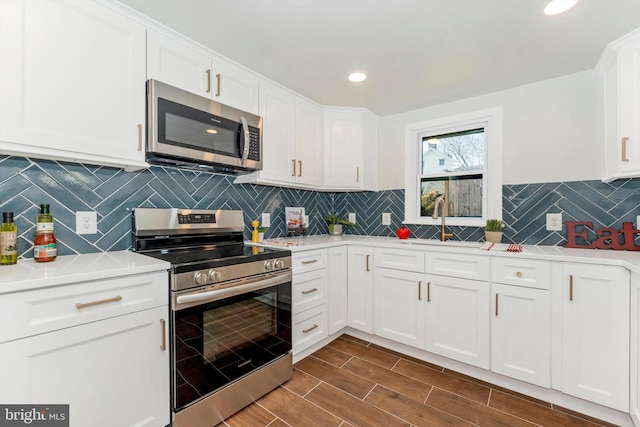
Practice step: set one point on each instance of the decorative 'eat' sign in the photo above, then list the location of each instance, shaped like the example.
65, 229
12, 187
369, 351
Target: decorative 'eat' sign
608, 238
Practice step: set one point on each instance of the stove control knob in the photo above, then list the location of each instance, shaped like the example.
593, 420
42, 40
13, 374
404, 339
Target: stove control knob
279, 263
268, 265
214, 275
201, 277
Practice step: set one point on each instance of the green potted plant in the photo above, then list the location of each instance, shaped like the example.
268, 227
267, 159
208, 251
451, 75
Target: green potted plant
336, 224
493, 230
261, 231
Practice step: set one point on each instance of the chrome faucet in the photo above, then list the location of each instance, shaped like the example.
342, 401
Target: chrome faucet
441, 202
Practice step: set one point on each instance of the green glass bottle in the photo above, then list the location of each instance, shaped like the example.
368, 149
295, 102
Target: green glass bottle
8, 240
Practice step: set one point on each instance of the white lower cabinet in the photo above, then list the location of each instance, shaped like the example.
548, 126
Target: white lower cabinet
458, 319
595, 334
399, 306
102, 347
338, 294
309, 296
360, 288
634, 409
521, 333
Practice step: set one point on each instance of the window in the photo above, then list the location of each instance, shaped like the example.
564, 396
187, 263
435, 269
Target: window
459, 158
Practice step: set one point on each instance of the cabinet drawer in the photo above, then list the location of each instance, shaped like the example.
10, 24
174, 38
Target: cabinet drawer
521, 272
400, 259
309, 260
465, 266
24, 314
309, 290
309, 327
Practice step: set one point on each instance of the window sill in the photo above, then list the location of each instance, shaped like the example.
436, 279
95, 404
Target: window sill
449, 221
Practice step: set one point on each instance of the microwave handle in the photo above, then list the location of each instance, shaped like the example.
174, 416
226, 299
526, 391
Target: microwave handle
247, 140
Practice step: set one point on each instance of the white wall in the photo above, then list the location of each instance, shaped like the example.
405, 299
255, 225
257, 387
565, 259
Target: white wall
553, 131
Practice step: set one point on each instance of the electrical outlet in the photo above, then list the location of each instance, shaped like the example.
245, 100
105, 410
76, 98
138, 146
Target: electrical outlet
352, 217
266, 220
638, 222
86, 223
554, 222
386, 218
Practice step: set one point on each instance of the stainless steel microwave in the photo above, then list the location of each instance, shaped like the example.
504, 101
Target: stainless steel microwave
190, 131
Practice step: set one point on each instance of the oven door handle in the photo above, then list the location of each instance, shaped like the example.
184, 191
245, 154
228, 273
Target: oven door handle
251, 284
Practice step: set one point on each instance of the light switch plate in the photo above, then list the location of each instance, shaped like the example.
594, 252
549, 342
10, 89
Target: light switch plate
352, 217
554, 222
266, 220
386, 218
86, 222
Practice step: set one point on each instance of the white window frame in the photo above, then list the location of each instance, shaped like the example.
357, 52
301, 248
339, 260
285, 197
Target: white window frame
491, 120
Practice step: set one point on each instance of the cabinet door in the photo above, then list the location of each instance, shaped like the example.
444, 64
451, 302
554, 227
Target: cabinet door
399, 306
277, 109
360, 288
338, 297
629, 107
72, 78
595, 334
234, 86
343, 145
113, 372
458, 319
521, 333
177, 64
308, 144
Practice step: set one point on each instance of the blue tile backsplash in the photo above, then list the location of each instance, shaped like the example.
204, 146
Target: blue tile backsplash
113, 193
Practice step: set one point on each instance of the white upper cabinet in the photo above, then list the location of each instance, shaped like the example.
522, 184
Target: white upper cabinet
181, 63
291, 140
72, 79
620, 64
350, 139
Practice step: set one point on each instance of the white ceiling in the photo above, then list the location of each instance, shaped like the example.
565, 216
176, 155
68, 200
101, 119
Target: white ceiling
416, 53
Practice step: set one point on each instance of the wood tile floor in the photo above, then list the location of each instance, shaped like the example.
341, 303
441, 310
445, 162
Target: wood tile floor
351, 382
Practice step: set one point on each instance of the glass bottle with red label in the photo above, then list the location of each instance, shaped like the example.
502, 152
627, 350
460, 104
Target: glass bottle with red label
45, 247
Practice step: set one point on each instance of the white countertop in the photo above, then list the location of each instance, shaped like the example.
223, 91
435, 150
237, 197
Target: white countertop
28, 274
627, 259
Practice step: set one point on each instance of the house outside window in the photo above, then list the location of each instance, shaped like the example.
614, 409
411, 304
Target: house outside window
460, 158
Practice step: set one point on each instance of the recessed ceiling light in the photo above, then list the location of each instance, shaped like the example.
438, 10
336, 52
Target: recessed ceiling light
554, 7
357, 77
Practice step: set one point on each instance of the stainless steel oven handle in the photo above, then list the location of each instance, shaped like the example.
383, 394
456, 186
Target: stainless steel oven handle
245, 285
247, 140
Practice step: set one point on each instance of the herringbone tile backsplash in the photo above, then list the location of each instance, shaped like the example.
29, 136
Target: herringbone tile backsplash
113, 193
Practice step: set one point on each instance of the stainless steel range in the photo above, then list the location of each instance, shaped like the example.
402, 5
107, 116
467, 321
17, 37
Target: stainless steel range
230, 311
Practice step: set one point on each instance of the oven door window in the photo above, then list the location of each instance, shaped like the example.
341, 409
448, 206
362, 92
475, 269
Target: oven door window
219, 342
187, 127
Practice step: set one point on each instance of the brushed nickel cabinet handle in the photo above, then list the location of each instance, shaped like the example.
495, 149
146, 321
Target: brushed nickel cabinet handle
309, 291
571, 287
294, 167
420, 290
80, 305
208, 81
139, 137
304, 331
624, 149
496, 304
311, 261
428, 291
368, 262
299, 167
218, 85
163, 326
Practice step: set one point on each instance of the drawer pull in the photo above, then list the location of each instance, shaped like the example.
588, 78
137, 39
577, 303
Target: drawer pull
519, 274
163, 325
497, 304
80, 305
218, 93
294, 167
309, 262
208, 81
309, 291
420, 290
309, 329
428, 291
299, 167
368, 262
